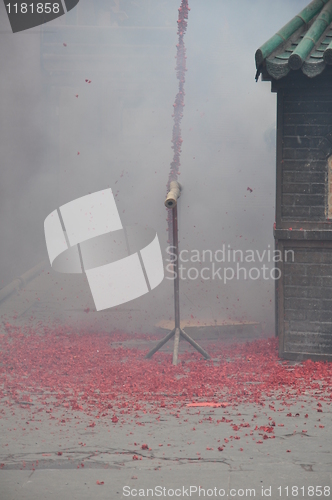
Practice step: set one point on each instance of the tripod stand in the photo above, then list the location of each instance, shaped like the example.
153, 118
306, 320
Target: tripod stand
177, 332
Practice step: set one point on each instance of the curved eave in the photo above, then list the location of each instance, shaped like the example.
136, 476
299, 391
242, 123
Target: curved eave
277, 64
279, 69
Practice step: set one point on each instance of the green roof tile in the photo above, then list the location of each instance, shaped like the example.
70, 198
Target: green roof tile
304, 42
311, 38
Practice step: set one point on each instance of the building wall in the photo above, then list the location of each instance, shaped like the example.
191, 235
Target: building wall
304, 291
307, 121
307, 299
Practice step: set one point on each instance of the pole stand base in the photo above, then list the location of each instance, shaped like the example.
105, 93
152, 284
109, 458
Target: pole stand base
177, 333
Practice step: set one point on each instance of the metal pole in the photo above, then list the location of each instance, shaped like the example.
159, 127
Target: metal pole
176, 267
176, 346
176, 283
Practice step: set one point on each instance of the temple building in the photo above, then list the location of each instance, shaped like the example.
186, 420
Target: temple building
298, 62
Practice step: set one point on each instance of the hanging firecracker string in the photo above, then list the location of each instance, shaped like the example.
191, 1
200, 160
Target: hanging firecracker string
179, 101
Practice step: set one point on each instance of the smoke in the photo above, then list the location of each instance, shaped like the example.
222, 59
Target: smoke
86, 103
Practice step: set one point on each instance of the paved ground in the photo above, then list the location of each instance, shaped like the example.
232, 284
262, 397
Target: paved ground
57, 452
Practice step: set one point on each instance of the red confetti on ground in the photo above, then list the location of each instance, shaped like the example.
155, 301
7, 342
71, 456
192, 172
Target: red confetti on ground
59, 367
100, 482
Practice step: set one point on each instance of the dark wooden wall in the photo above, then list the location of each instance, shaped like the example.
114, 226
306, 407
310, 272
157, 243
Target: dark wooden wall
304, 291
307, 121
305, 300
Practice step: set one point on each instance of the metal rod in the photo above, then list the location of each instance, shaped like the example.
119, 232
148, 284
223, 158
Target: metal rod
176, 346
176, 266
194, 344
160, 344
176, 284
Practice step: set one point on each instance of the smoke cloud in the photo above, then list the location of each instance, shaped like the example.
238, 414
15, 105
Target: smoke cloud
86, 104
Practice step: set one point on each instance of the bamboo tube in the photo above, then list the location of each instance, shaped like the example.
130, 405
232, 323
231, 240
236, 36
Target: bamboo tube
173, 194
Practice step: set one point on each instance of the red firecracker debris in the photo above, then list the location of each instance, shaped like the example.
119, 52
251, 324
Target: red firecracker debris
86, 372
